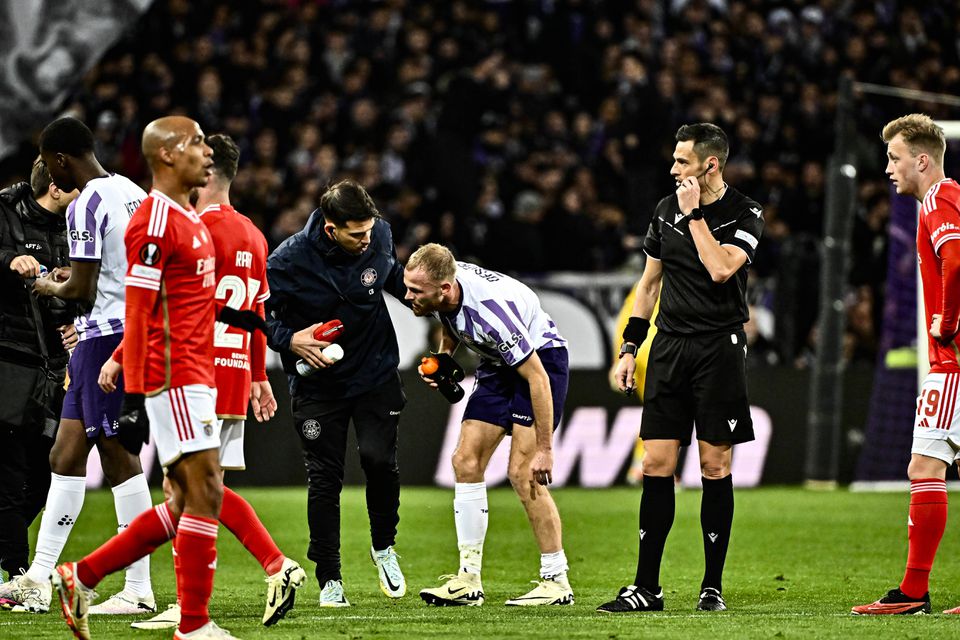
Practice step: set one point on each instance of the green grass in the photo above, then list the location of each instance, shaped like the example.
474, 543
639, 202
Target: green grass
797, 562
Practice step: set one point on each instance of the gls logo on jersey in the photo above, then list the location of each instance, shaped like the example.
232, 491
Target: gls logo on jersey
81, 236
506, 345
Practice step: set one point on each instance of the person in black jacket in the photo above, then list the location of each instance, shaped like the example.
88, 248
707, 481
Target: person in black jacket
32, 241
337, 267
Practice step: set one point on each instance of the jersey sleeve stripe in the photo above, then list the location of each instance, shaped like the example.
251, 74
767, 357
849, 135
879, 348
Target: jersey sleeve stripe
263, 297
158, 218
502, 316
930, 200
516, 312
151, 225
943, 239
90, 220
83, 239
143, 283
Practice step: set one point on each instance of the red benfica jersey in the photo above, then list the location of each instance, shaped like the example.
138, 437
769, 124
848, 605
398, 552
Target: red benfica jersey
170, 281
939, 223
241, 284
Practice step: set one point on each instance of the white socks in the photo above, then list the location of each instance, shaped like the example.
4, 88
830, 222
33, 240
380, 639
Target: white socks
130, 499
553, 565
470, 515
64, 501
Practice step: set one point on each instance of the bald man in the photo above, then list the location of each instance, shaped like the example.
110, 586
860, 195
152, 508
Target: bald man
168, 367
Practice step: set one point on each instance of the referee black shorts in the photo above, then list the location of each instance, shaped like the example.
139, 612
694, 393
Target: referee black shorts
697, 379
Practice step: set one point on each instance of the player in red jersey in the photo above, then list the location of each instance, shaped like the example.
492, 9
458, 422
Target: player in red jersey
169, 376
915, 148
240, 365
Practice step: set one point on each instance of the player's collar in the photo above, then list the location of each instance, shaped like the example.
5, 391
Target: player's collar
156, 193
213, 208
933, 187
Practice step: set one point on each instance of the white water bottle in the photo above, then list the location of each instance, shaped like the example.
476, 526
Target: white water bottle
332, 351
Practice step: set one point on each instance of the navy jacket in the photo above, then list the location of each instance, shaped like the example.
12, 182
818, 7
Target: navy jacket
313, 280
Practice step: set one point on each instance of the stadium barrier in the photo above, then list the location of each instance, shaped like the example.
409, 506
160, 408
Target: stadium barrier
595, 443
593, 446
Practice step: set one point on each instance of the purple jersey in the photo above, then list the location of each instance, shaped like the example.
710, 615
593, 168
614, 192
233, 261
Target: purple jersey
499, 317
96, 222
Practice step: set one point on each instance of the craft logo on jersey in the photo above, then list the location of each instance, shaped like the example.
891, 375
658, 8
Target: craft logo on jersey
150, 254
368, 277
311, 429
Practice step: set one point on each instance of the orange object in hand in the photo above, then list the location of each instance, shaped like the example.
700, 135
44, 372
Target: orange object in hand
429, 365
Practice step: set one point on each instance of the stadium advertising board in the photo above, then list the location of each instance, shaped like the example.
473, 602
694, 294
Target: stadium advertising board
594, 445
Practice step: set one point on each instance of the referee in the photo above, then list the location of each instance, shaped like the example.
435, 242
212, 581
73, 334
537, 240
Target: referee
700, 240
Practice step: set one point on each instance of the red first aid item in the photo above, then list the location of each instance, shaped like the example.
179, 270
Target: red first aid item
329, 331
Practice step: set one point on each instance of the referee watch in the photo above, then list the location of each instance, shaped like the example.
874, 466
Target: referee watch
696, 214
628, 347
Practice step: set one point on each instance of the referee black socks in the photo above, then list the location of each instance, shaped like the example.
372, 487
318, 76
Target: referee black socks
657, 507
716, 518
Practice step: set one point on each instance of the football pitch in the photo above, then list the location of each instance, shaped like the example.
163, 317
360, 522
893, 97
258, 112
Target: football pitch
797, 562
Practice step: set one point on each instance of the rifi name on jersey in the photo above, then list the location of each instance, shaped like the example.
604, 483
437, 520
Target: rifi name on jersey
244, 259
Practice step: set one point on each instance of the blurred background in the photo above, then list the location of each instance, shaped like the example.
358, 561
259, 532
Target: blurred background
535, 137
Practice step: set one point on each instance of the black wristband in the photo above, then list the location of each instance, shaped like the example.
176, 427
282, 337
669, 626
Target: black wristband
696, 214
636, 330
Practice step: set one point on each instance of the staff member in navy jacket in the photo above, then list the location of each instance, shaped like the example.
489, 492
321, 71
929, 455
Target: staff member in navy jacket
337, 267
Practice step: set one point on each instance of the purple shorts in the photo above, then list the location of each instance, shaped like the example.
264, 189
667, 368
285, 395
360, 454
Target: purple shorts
502, 397
85, 401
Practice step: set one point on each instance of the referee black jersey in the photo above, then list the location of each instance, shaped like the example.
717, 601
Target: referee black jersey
690, 301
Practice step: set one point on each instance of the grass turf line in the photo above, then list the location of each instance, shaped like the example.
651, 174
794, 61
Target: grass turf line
798, 561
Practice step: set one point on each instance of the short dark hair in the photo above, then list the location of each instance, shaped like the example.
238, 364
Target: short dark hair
226, 155
40, 179
347, 201
708, 140
68, 136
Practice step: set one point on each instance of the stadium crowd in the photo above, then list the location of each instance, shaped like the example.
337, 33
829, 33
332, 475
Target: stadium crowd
536, 135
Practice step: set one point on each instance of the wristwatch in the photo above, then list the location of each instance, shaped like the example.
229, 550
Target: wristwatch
696, 214
628, 347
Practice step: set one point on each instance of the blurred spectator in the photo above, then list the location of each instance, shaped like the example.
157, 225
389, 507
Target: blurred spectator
473, 121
